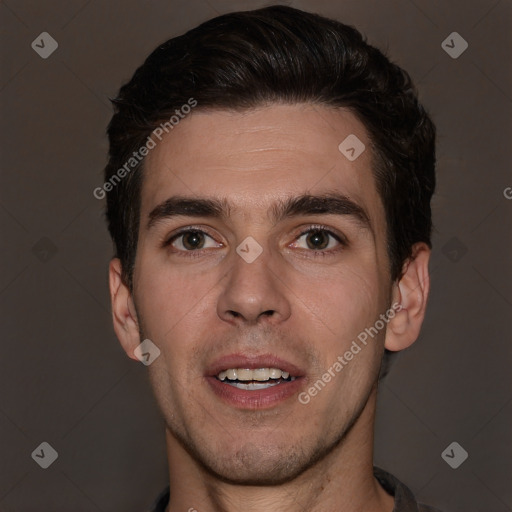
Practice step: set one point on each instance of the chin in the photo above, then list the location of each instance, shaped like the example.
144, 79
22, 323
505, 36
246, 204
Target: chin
259, 465
258, 470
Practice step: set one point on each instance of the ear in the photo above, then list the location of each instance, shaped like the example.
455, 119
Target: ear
124, 316
411, 293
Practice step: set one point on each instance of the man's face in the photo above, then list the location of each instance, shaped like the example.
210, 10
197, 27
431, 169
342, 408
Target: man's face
321, 279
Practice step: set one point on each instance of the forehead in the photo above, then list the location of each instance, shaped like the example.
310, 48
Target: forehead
256, 157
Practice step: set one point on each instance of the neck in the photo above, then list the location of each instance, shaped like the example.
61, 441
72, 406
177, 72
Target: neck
343, 480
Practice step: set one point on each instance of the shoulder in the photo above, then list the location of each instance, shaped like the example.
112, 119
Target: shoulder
404, 498
427, 508
161, 502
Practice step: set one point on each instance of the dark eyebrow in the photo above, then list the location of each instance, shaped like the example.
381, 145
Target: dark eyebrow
188, 207
332, 204
306, 204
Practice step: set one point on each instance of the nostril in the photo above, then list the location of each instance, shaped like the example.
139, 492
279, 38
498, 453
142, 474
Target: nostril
267, 313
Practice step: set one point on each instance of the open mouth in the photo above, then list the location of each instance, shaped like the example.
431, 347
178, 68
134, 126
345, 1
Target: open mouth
254, 380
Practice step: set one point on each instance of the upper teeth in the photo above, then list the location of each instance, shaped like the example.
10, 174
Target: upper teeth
260, 374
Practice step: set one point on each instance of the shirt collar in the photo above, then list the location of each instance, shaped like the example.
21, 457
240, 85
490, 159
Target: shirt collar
404, 498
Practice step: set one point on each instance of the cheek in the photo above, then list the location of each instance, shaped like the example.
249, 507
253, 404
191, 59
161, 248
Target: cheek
349, 300
167, 294
175, 309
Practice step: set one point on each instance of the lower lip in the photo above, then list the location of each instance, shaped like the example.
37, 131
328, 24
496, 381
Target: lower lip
259, 399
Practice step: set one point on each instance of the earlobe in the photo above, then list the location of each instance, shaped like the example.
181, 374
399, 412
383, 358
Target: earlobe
411, 292
123, 310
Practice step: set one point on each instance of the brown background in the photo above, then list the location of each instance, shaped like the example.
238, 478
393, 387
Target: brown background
64, 378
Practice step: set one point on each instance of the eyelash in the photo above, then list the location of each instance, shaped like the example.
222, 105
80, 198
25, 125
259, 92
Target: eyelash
313, 228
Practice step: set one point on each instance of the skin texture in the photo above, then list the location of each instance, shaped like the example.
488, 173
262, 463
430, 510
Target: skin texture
291, 302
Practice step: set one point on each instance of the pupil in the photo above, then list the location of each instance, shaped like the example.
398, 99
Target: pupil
316, 238
193, 240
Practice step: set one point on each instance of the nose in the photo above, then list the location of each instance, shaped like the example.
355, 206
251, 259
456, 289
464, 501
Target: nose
252, 292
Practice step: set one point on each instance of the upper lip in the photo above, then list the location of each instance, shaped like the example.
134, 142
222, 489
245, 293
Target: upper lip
252, 363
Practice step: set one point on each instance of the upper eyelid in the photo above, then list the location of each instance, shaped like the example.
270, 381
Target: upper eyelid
325, 229
182, 231
313, 227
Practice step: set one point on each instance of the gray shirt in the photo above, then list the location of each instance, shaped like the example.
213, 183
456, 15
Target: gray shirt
404, 499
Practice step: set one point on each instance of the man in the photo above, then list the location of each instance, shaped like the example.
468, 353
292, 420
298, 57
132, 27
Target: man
268, 194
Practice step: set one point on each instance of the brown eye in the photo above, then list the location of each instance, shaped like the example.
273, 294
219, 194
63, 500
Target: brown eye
193, 240
317, 240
